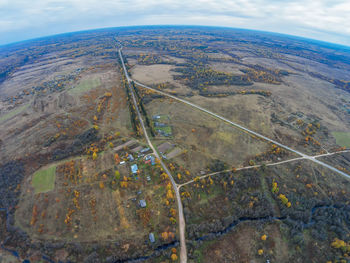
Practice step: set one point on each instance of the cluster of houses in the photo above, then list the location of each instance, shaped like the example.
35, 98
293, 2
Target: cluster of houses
144, 154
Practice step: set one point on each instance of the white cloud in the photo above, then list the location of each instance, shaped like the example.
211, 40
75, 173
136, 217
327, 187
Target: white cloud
322, 19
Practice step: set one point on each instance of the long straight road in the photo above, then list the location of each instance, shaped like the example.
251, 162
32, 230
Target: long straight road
182, 226
305, 156
183, 252
259, 165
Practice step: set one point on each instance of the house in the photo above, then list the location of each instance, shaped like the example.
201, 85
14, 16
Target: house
148, 178
151, 238
134, 168
131, 158
150, 159
155, 117
159, 124
145, 150
142, 203
122, 162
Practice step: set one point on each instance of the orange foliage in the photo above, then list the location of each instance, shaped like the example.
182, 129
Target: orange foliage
173, 257
34, 215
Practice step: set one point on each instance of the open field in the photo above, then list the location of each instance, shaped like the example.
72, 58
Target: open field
153, 74
68, 193
204, 139
227, 67
268, 114
60, 117
342, 138
44, 180
86, 85
297, 88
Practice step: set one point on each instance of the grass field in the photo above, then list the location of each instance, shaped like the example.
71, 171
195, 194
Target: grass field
342, 138
44, 180
86, 85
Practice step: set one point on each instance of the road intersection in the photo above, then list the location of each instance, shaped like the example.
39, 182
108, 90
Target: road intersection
176, 187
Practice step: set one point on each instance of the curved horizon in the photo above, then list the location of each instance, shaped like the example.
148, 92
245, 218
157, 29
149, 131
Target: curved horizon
318, 41
321, 20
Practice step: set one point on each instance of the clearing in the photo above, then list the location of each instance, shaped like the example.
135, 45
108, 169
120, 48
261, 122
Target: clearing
342, 138
153, 74
86, 85
44, 180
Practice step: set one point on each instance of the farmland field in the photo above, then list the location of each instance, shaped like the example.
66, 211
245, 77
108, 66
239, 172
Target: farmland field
342, 138
86, 85
79, 181
44, 180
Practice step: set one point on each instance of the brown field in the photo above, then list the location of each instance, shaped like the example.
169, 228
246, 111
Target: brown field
227, 67
66, 122
204, 138
153, 74
254, 111
39, 120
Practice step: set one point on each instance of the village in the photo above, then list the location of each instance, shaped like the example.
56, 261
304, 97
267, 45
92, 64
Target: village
174, 147
142, 202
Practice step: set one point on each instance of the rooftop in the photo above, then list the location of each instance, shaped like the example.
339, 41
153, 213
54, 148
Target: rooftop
151, 238
134, 168
142, 203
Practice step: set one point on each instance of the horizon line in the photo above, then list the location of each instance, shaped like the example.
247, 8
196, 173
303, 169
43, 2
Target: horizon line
344, 46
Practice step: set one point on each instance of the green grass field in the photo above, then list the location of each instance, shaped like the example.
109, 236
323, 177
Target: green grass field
85, 85
44, 180
342, 138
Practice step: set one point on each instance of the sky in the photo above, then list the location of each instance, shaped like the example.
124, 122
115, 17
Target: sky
327, 20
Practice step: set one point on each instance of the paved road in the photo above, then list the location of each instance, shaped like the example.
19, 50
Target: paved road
305, 156
181, 218
259, 165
